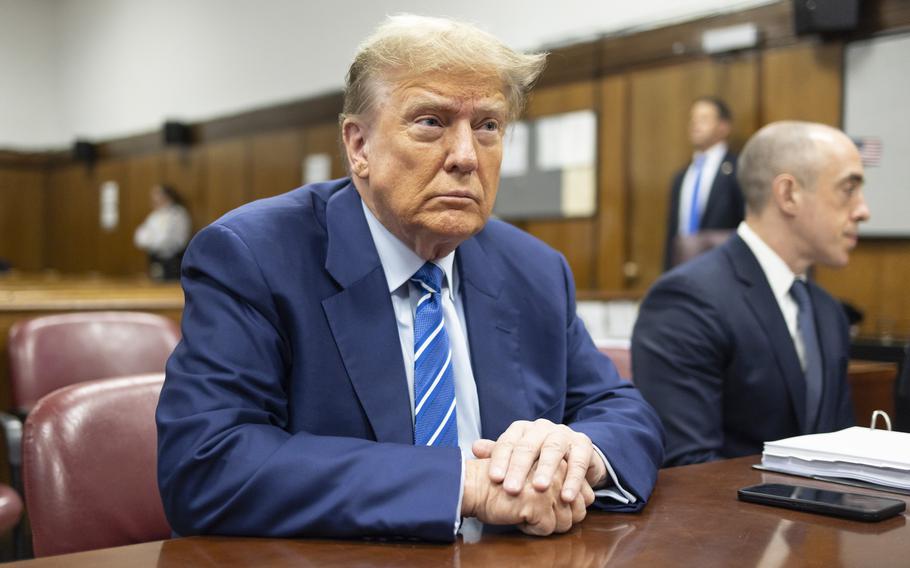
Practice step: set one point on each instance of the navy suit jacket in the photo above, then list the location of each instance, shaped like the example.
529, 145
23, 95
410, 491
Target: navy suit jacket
712, 353
285, 410
725, 208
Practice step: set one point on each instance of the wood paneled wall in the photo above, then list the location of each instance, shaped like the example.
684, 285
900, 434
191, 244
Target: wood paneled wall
641, 86
22, 210
213, 178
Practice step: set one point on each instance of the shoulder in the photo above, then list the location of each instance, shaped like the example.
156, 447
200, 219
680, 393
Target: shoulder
511, 245
278, 219
708, 276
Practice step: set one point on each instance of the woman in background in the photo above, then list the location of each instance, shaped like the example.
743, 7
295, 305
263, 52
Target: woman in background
165, 233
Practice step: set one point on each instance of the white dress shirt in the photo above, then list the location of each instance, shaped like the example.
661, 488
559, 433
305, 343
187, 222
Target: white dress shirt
399, 263
780, 278
714, 156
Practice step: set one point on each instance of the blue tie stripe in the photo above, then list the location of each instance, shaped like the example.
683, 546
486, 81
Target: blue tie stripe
694, 209
435, 414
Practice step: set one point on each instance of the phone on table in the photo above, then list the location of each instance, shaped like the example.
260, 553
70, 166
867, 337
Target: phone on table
847, 505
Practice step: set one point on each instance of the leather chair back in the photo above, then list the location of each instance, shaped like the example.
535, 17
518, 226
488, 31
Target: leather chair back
50, 352
687, 247
89, 466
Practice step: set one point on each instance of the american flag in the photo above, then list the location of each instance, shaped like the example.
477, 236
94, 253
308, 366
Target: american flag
870, 150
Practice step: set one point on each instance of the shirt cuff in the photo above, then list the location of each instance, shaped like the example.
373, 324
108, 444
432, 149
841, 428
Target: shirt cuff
617, 492
460, 497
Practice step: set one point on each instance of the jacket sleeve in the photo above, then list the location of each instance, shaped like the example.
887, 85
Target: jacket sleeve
610, 411
678, 353
228, 463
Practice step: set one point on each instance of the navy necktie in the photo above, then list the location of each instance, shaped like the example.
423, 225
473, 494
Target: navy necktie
435, 417
812, 356
694, 209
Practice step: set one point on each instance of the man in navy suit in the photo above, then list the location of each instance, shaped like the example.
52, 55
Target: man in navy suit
372, 357
705, 195
738, 347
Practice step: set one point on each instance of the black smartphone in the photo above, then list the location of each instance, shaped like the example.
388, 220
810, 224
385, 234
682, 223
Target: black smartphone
848, 505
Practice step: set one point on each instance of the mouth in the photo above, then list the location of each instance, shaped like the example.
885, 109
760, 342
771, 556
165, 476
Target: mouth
853, 238
457, 195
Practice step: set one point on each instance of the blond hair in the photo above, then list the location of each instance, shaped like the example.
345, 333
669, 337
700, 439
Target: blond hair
416, 45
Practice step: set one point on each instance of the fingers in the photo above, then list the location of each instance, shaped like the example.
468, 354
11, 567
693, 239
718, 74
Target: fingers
581, 452
483, 448
587, 494
514, 454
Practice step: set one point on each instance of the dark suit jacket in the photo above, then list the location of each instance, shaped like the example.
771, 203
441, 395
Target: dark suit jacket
712, 353
285, 411
724, 210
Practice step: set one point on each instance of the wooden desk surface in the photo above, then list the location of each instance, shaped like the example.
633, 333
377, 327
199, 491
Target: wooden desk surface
694, 519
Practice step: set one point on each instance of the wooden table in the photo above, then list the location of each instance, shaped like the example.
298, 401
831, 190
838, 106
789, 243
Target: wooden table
694, 519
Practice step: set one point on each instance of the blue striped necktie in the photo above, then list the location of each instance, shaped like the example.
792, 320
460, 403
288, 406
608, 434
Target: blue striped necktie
435, 418
812, 355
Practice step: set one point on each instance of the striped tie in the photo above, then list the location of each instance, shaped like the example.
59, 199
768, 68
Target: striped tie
435, 422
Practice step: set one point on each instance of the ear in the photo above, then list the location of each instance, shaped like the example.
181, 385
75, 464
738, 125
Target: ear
354, 136
787, 194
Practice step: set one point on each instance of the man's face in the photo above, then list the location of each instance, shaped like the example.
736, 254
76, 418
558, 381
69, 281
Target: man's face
831, 213
431, 151
706, 128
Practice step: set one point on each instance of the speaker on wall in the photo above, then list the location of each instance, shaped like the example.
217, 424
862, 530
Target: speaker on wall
84, 151
177, 133
825, 16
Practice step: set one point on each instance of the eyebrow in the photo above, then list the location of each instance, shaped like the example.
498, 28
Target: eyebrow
853, 178
429, 100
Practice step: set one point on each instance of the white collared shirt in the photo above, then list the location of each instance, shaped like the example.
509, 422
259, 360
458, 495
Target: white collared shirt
714, 156
780, 278
399, 263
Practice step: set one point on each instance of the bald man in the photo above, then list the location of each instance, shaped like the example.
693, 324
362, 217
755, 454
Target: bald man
738, 347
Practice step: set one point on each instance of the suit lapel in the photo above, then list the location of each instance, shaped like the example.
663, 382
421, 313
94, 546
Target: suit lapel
492, 324
720, 191
362, 320
757, 294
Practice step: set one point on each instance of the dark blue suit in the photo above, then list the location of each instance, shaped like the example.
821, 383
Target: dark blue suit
725, 208
285, 411
712, 353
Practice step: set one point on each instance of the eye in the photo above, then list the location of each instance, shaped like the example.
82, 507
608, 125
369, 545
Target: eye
430, 121
489, 126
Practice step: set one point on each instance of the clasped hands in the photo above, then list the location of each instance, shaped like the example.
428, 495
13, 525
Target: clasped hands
537, 475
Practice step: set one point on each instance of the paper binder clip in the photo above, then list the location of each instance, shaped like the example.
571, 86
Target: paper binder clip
885, 417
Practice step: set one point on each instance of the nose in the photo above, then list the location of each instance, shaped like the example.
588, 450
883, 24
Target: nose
861, 211
462, 155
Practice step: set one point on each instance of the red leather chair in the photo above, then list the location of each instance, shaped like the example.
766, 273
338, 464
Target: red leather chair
10, 508
50, 352
687, 247
89, 466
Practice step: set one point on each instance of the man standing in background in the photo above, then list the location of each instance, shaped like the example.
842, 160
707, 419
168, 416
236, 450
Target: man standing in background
705, 195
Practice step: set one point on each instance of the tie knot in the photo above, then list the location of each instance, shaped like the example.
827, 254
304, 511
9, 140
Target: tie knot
699, 161
800, 292
429, 276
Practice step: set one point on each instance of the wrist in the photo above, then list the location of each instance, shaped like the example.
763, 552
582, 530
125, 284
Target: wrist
474, 471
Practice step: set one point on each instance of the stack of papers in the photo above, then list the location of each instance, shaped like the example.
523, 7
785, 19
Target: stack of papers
877, 457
